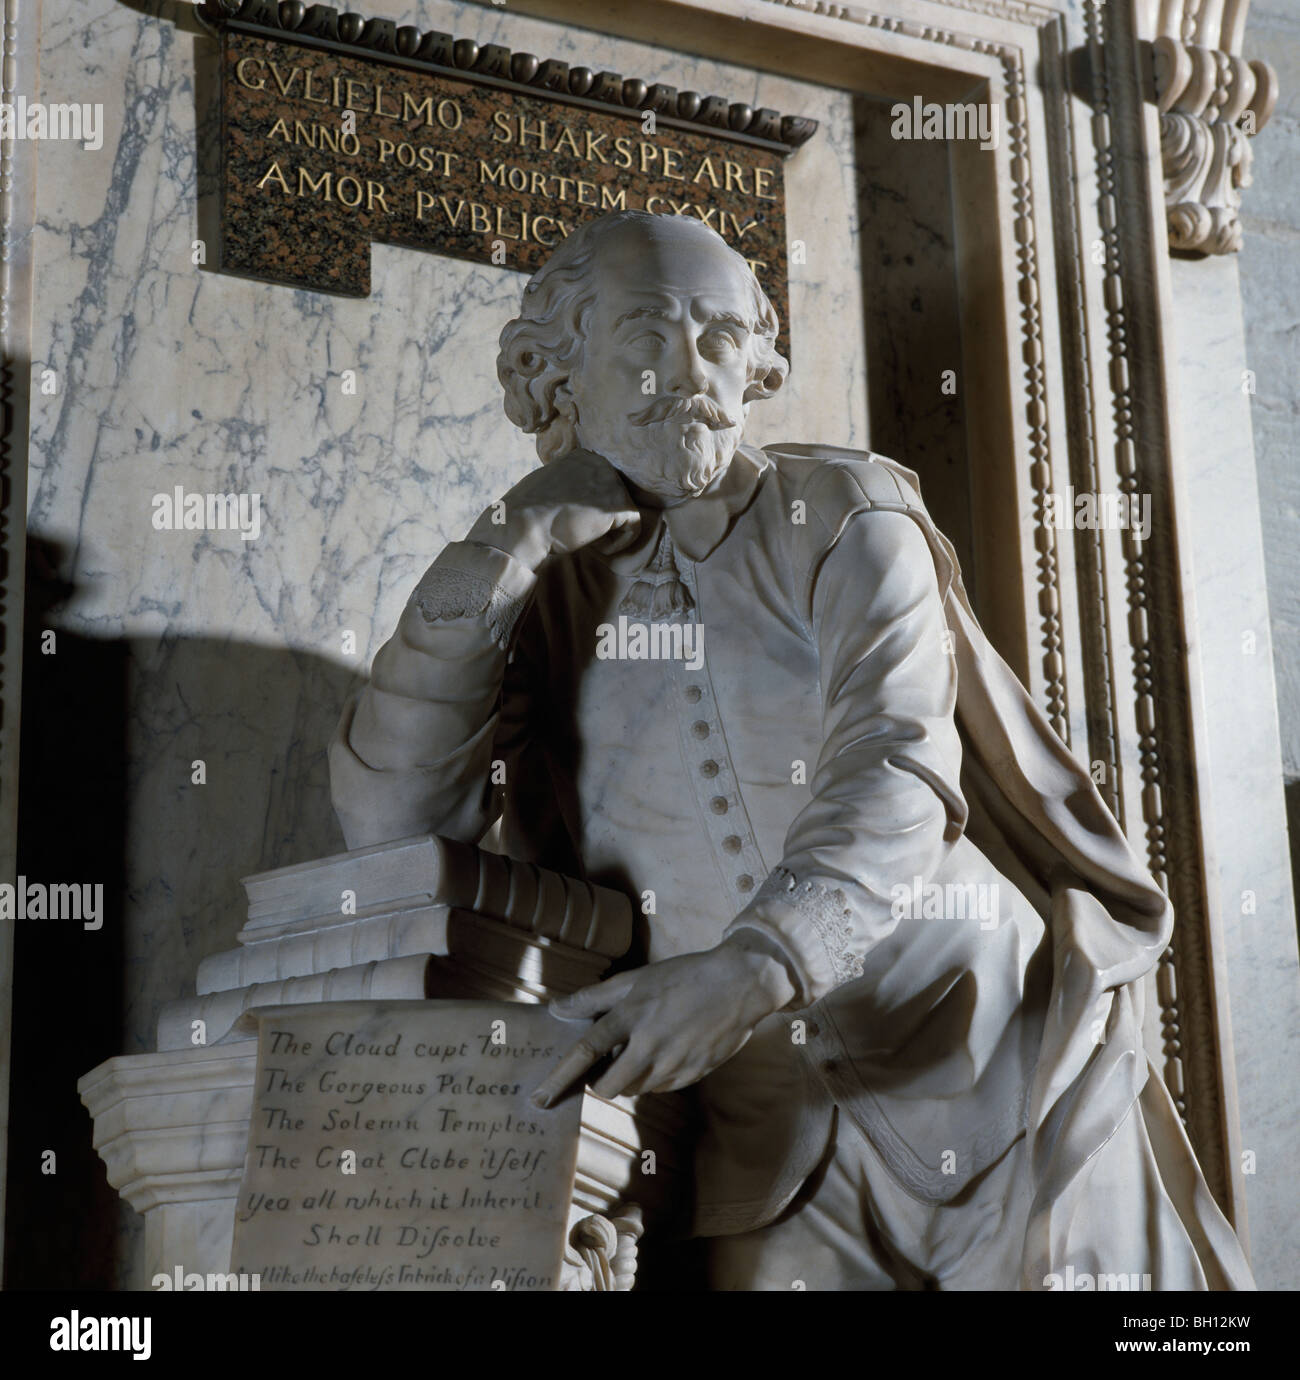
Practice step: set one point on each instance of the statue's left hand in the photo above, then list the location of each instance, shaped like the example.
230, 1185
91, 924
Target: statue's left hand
671, 1022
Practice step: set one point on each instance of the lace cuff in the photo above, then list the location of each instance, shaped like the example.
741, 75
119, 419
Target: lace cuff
470, 580
813, 924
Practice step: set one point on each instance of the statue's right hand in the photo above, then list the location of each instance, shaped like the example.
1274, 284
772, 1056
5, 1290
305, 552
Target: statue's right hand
569, 503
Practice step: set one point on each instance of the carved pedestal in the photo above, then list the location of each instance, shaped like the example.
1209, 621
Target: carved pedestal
172, 1127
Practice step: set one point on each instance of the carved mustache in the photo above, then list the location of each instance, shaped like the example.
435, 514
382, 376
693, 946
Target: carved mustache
674, 407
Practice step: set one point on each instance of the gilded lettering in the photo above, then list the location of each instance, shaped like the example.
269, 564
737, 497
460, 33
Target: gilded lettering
409, 156
412, 109
305, 179
379, 105
531, 130
307, 89
348, 190
538, 133
285, 84
273, 172
566, 143
706, 165
446, 210
736, 229
242, 79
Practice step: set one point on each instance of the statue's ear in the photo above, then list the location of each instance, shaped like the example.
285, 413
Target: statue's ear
558, 436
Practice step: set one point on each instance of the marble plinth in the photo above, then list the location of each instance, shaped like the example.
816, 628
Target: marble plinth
172, 1129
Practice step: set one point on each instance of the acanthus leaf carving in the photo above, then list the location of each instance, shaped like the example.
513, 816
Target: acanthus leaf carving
1212, 101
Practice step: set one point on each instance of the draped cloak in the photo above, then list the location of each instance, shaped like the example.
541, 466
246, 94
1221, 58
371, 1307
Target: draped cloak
1108, 924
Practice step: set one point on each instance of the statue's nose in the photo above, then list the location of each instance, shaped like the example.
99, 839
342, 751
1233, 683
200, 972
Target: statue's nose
688, 375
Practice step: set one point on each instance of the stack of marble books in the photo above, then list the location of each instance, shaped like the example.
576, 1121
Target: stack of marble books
420, 917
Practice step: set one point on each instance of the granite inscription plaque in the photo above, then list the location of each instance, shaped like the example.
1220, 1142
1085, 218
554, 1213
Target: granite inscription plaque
470, 151
392, 1146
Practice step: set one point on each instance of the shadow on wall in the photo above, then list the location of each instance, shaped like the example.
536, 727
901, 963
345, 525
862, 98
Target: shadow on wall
1292, 789
110, 730
912, 327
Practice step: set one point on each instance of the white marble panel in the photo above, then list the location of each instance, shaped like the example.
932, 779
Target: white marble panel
1240, 777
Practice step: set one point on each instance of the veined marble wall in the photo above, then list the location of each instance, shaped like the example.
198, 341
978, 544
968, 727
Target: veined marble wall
1268, 270
178, 646
1270, 291
1240, 789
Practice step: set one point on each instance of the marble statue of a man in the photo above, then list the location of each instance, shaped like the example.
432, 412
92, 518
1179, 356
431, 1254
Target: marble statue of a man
896, 938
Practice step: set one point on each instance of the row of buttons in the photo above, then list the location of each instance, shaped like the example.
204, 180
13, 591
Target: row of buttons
719, 805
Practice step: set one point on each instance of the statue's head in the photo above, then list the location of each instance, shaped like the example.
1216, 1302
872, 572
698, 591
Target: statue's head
643, 338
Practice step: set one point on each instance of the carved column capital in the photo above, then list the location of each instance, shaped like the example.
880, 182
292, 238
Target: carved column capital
1212, 102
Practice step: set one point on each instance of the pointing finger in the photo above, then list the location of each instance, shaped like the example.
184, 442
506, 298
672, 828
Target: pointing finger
594, 1045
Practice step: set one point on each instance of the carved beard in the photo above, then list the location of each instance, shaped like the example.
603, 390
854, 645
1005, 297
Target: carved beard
674, 448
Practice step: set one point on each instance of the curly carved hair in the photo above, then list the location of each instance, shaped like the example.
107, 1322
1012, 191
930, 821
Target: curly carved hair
544, 344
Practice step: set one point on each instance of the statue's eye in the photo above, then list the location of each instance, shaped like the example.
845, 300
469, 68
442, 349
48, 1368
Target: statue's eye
719, 340
646, 340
